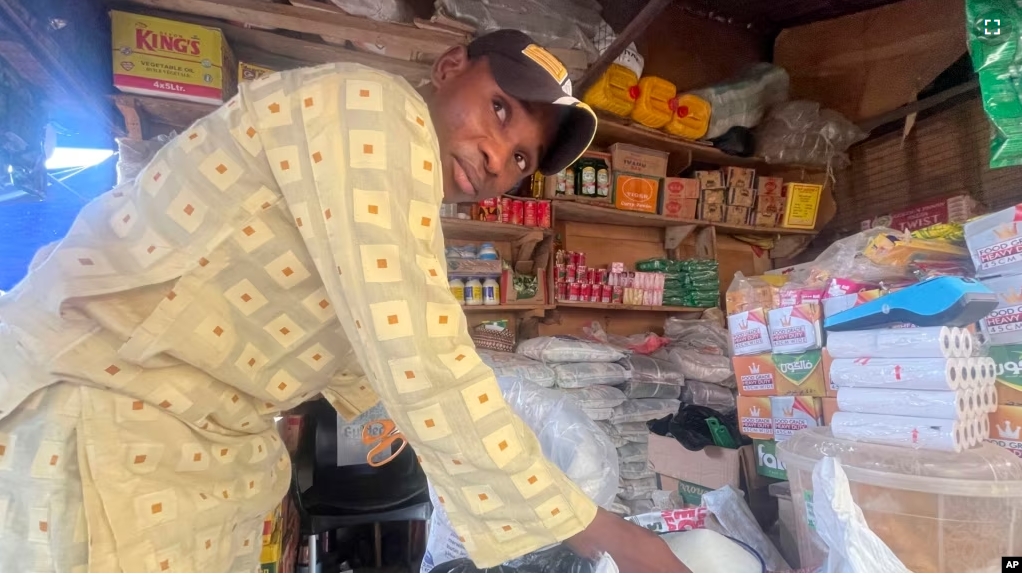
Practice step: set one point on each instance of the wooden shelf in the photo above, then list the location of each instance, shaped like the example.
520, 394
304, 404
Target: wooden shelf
566, 210
620, 307
613, 129
471, 230
499, 308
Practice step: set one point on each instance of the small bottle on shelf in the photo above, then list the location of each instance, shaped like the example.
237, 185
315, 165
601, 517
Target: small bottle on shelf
458, 290
473, 293
491, 292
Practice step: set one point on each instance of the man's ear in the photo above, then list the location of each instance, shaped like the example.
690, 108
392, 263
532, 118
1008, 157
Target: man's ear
450, 65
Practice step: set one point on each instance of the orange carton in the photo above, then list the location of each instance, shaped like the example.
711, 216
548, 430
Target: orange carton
634, 192
829, 408
792, 414
1005, 428
749, 333
159, 57
679, 198
756, 375
754, 418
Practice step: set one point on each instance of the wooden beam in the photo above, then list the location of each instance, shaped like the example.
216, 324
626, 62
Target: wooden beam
869, 124
635, 28
327, 23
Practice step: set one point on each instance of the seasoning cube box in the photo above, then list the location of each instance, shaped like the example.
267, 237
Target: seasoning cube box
711, 179
737, 215
802, 205
635, 192
712, 212
714, 195
679, 198
740, 177
769, 185
764, 219
741, 196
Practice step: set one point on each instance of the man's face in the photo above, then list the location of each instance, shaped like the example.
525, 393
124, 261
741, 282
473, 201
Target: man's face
489, 141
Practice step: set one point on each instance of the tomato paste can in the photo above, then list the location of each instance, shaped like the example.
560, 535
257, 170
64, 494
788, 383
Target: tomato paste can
543, 210
562, 291
619, 294
561, 272
517, 212
505, 209
585, 292
603, 276
597, 292
530, 214
608, 294
592, 276
574, 292
570, 273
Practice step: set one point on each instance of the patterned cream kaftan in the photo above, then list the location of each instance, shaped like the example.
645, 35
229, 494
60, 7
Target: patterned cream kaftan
286, 245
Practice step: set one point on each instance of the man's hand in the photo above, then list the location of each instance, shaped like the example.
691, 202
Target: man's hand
632, 547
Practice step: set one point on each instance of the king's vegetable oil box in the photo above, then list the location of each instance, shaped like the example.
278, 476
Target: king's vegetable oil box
158, 57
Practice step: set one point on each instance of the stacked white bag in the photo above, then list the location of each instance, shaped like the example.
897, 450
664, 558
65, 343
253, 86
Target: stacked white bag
597, 376
927, 387
701, 349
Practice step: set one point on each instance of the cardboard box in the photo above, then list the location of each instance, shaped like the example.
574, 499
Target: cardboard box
638, 160
1005, 428
741, 196
764, 219
835, 305
829, 405
1008, 360
711, 179
802, 202
769, 375
770, 203
158, 57
694, 473
679, 198
792, 414
635, 192
828, 383
769, 186
749, 332
736, 215
754, 418
712, 212
796, 329
1003, 326
740, 177
713, 195
248, 72
958, 209
768, 464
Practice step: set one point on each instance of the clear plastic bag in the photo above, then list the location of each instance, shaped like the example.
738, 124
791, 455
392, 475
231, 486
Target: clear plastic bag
596, 397
567, 438
633, 452
579, 375
642, 343
737, 521
651, 370
632, 431
642, 410
744, 100
635, 471
800, 132
608, 429
133, 155
708, 395
568, 350
640, 390
748, 293
562, 24
700, 366
599, 414
520, 366
635, 489
703, 335
379, 10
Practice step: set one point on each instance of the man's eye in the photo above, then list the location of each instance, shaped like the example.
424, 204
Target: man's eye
498, 108
520, 159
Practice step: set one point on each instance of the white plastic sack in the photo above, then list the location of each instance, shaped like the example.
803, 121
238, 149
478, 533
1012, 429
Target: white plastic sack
736, 520
744, 100
635, 471
579, 375
520, 366
568, 439
637, 488
596, 397
597, 415
608, 429
703, 335
633, 452
841, 525
568, 350
642, 390
652, 370
700, 366
709, 395
642, 410
632, 431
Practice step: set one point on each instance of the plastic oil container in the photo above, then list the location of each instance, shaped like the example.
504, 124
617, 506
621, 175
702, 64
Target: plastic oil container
615, 91
691, 117
653, 108
937, 511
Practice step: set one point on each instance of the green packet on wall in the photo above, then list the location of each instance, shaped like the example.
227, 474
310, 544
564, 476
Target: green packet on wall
994, 27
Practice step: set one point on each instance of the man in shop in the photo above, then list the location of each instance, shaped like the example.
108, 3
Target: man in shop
284, 246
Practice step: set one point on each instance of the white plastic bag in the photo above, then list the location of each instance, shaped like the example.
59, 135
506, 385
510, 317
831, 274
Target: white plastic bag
700, 366
642, 410
642, 390
651, 370
841, 525
608, 429
635, 471
638, 488
709, 395
579, 375
603, 414
596, 397
568, 350
633, 452
736, 520
515, 365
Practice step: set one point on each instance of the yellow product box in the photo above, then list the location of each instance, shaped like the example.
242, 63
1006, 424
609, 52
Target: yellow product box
158, 57
802, 203
633, 192
754, 418
248, 72
1005, 428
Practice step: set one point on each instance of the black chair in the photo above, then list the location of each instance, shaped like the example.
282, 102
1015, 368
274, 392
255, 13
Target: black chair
347, 496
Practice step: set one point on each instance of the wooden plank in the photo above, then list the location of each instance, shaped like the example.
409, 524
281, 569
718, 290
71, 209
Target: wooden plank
471, 230
504, 308
578, 211
673, 236
621, 307
326, 23
632, 31
173, 113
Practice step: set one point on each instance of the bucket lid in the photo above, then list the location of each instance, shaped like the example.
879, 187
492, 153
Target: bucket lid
986, 470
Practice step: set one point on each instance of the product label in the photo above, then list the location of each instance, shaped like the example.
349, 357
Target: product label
692, 493
1004, 320
792, 414
807, 496
797, 368
758, 381
1009, 364
767, 463
1002, 253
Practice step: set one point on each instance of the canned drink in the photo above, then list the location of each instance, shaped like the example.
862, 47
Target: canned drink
607, 294
570, 273
603, 276
530, 214
517, 212
597, 292
574, 258
543, 214
580, 272
591, 276
505, 209
581, 260
574, 292
585, 292
619, 293
561, 272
